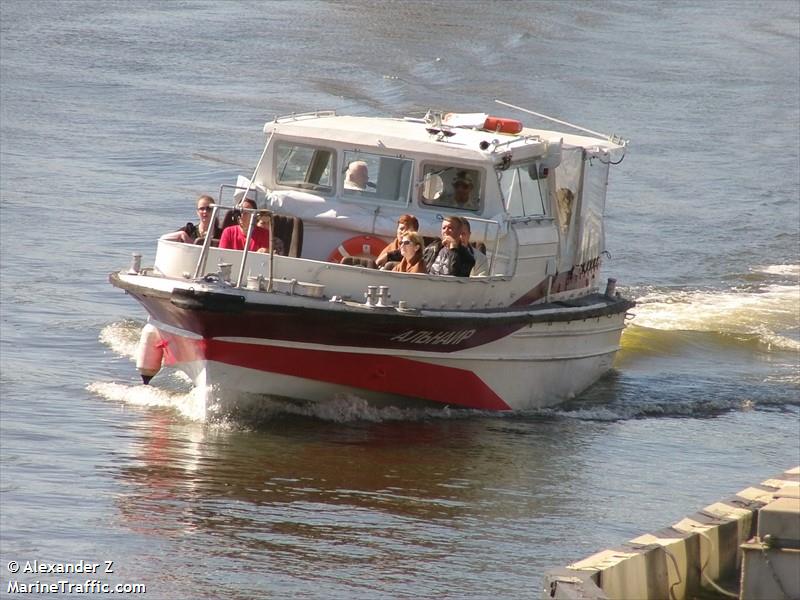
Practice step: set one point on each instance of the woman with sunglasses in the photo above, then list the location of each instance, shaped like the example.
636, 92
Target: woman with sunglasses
391, 253
196, 234
411, 246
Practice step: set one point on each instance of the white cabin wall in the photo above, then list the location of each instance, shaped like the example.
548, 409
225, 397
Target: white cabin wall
538, 247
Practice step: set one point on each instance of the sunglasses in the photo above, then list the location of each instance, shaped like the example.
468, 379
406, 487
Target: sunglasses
406, 242
203, 208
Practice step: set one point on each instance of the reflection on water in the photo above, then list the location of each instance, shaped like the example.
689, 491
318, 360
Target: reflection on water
299, 489
368, 505
430, 470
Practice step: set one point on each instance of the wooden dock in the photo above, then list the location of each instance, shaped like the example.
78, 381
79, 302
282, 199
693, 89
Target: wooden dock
751, 539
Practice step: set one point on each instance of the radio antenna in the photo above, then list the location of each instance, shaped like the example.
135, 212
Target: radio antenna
614, 139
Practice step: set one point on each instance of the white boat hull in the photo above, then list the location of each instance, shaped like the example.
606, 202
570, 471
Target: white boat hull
541, 365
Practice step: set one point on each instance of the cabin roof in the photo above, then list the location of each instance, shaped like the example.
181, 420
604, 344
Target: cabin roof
412, 135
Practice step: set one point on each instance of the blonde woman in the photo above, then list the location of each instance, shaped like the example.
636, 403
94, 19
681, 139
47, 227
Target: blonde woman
195, 234
411, 246
392, 251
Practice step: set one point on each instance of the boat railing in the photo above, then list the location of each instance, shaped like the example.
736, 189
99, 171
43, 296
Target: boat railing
497, 229
316, 114
203, 258
501, 146
218, 207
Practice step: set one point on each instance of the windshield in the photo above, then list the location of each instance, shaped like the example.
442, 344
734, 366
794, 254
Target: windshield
304, 167
524, 188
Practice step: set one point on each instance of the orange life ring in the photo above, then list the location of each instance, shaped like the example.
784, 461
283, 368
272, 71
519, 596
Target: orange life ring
366, 246
501, 125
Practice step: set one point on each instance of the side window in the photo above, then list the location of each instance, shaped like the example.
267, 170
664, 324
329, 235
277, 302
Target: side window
376, 177
304, 167
525, 188
452, 187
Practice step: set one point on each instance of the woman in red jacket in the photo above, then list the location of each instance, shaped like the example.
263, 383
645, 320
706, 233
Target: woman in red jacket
234, 236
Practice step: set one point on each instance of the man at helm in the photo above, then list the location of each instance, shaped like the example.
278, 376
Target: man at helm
357, 176
463, 195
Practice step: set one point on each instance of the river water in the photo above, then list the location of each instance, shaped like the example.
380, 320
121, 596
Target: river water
116, 115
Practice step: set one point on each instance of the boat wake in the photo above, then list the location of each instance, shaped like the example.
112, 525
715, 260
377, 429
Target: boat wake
253, 411
754, 326
761, 317
687, 353
189, 405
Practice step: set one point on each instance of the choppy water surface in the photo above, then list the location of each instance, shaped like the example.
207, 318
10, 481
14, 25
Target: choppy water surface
114, 116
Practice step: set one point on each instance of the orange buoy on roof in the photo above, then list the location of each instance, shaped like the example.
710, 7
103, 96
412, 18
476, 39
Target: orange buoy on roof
502, 125
365, 246
483, 121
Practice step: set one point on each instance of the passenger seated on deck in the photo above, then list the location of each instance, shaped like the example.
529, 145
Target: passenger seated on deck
357, 176
234, 237
411, 247
448, 256
481, 268
196, 234
392, 251
262, 220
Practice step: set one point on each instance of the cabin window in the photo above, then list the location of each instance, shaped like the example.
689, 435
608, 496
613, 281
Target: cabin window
453, 187
525, 189
376, 177
304, 167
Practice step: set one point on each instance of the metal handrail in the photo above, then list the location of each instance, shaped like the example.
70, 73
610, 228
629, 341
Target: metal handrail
488, 222
312, 114
249, 236
203, 258
497, 225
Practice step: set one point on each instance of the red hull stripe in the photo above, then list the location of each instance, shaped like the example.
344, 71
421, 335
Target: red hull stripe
378, 373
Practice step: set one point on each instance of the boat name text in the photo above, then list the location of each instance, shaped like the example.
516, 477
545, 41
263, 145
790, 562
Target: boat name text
414, 336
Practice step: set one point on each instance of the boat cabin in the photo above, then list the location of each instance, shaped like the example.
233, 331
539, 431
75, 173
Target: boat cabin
534, 198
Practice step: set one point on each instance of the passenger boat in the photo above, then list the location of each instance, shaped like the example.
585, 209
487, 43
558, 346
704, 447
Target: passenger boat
318, 322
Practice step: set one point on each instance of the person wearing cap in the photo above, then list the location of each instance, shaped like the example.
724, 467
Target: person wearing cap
463, 187
448, 255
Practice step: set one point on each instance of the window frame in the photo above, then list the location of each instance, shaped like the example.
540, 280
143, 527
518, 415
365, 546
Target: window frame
479, 190
543, 194
373, 197
318, 188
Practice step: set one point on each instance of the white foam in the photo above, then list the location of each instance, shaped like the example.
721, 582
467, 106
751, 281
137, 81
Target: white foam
191, 405
770, 313
343, 409
122, 337
339, 409
634, 409
792, 270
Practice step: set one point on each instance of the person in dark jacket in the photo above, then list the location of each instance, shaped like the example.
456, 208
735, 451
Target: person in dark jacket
448, 256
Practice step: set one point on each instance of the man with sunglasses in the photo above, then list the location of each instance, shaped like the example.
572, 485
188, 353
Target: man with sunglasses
448, 255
